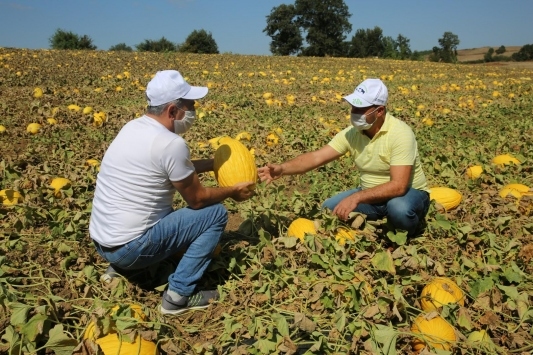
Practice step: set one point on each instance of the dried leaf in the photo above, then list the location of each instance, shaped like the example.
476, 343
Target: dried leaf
304, 323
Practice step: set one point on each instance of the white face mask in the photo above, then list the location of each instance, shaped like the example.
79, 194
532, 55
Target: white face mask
359, 121
183, 125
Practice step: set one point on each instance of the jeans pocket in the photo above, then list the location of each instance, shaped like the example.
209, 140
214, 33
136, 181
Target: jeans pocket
121, 256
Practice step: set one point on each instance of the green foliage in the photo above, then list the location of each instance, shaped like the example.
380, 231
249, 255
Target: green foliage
285, 33
371, 43
121, 47
199, 42
500, 50
404, 50
448, 47
525, 53
325, 23
69, 40
488, 55
162, 45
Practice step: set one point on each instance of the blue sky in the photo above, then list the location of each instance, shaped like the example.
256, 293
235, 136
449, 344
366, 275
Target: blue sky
237, 25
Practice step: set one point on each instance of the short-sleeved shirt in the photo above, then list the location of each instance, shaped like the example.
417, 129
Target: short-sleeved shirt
134, 186
394, 144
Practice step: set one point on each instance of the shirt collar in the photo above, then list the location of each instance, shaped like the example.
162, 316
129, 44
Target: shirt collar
386, 124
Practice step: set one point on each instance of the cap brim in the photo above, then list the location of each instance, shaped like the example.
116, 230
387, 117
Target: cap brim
356, 100
196, 92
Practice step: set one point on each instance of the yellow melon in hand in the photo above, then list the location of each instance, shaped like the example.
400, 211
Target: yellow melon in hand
234, 163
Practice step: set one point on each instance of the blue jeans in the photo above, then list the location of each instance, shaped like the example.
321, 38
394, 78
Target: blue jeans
198, 231
404, 212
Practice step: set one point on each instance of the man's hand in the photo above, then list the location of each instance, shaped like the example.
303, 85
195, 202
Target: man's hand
243, 191
346, 206
270, 172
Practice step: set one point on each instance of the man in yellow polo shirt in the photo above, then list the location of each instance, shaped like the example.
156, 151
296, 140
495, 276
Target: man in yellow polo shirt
385, 152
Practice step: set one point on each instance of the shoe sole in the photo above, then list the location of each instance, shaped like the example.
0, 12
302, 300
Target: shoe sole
181, 310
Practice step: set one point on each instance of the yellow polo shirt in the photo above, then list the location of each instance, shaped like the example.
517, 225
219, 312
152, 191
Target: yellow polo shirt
394, 144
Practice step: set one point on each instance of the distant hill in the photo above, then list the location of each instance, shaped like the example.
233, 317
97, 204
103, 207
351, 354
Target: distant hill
465, 55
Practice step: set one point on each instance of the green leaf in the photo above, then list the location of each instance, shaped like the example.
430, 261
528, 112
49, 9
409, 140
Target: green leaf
399, 237
512, 276
12, 338
289, 242
383, 261
35, 326
463, 319
265, 346
59, 342
386, 336
19, 313
340, 321
64, 248
480, 286
315, 258
510, 291
522, 304
442, 222
281, 324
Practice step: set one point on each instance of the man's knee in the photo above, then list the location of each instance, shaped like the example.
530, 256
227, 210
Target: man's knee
328, 204
400, 207
219, 213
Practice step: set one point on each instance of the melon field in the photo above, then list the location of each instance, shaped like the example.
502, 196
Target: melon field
361, 292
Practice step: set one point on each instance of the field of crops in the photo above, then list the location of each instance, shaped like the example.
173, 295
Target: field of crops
279, 295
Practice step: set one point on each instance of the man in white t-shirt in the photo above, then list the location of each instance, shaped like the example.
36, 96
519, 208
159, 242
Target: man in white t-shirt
133, 224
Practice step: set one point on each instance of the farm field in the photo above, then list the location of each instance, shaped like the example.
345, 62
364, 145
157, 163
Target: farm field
464, 55
279, 295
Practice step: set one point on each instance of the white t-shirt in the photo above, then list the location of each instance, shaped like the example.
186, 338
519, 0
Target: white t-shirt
133, 188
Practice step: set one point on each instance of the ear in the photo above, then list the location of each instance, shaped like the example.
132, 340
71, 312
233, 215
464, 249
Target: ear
171, 110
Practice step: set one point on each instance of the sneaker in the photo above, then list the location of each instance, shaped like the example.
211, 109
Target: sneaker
197, 300
114, 272
109, 275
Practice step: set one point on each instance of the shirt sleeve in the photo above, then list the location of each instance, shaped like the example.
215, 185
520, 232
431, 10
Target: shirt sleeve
176, 160
341, 141
403, 148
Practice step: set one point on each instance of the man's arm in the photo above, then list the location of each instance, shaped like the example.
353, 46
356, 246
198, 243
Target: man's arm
397, 186
198, 196
203, 165
299, 165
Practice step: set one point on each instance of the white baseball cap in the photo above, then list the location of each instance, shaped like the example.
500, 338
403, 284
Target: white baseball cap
369, 92
169, 85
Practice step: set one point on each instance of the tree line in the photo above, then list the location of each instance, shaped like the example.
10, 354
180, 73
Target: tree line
324, 25
307, 28
198, 41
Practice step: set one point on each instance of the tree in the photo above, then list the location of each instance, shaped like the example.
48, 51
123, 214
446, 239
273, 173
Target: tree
525, 53
368, 43
282, 28
162, 45
121, 47
404, 50
390, 48
358, 44
324, 23
488, 56
448, 50
199, 42
69, 40
500, 50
